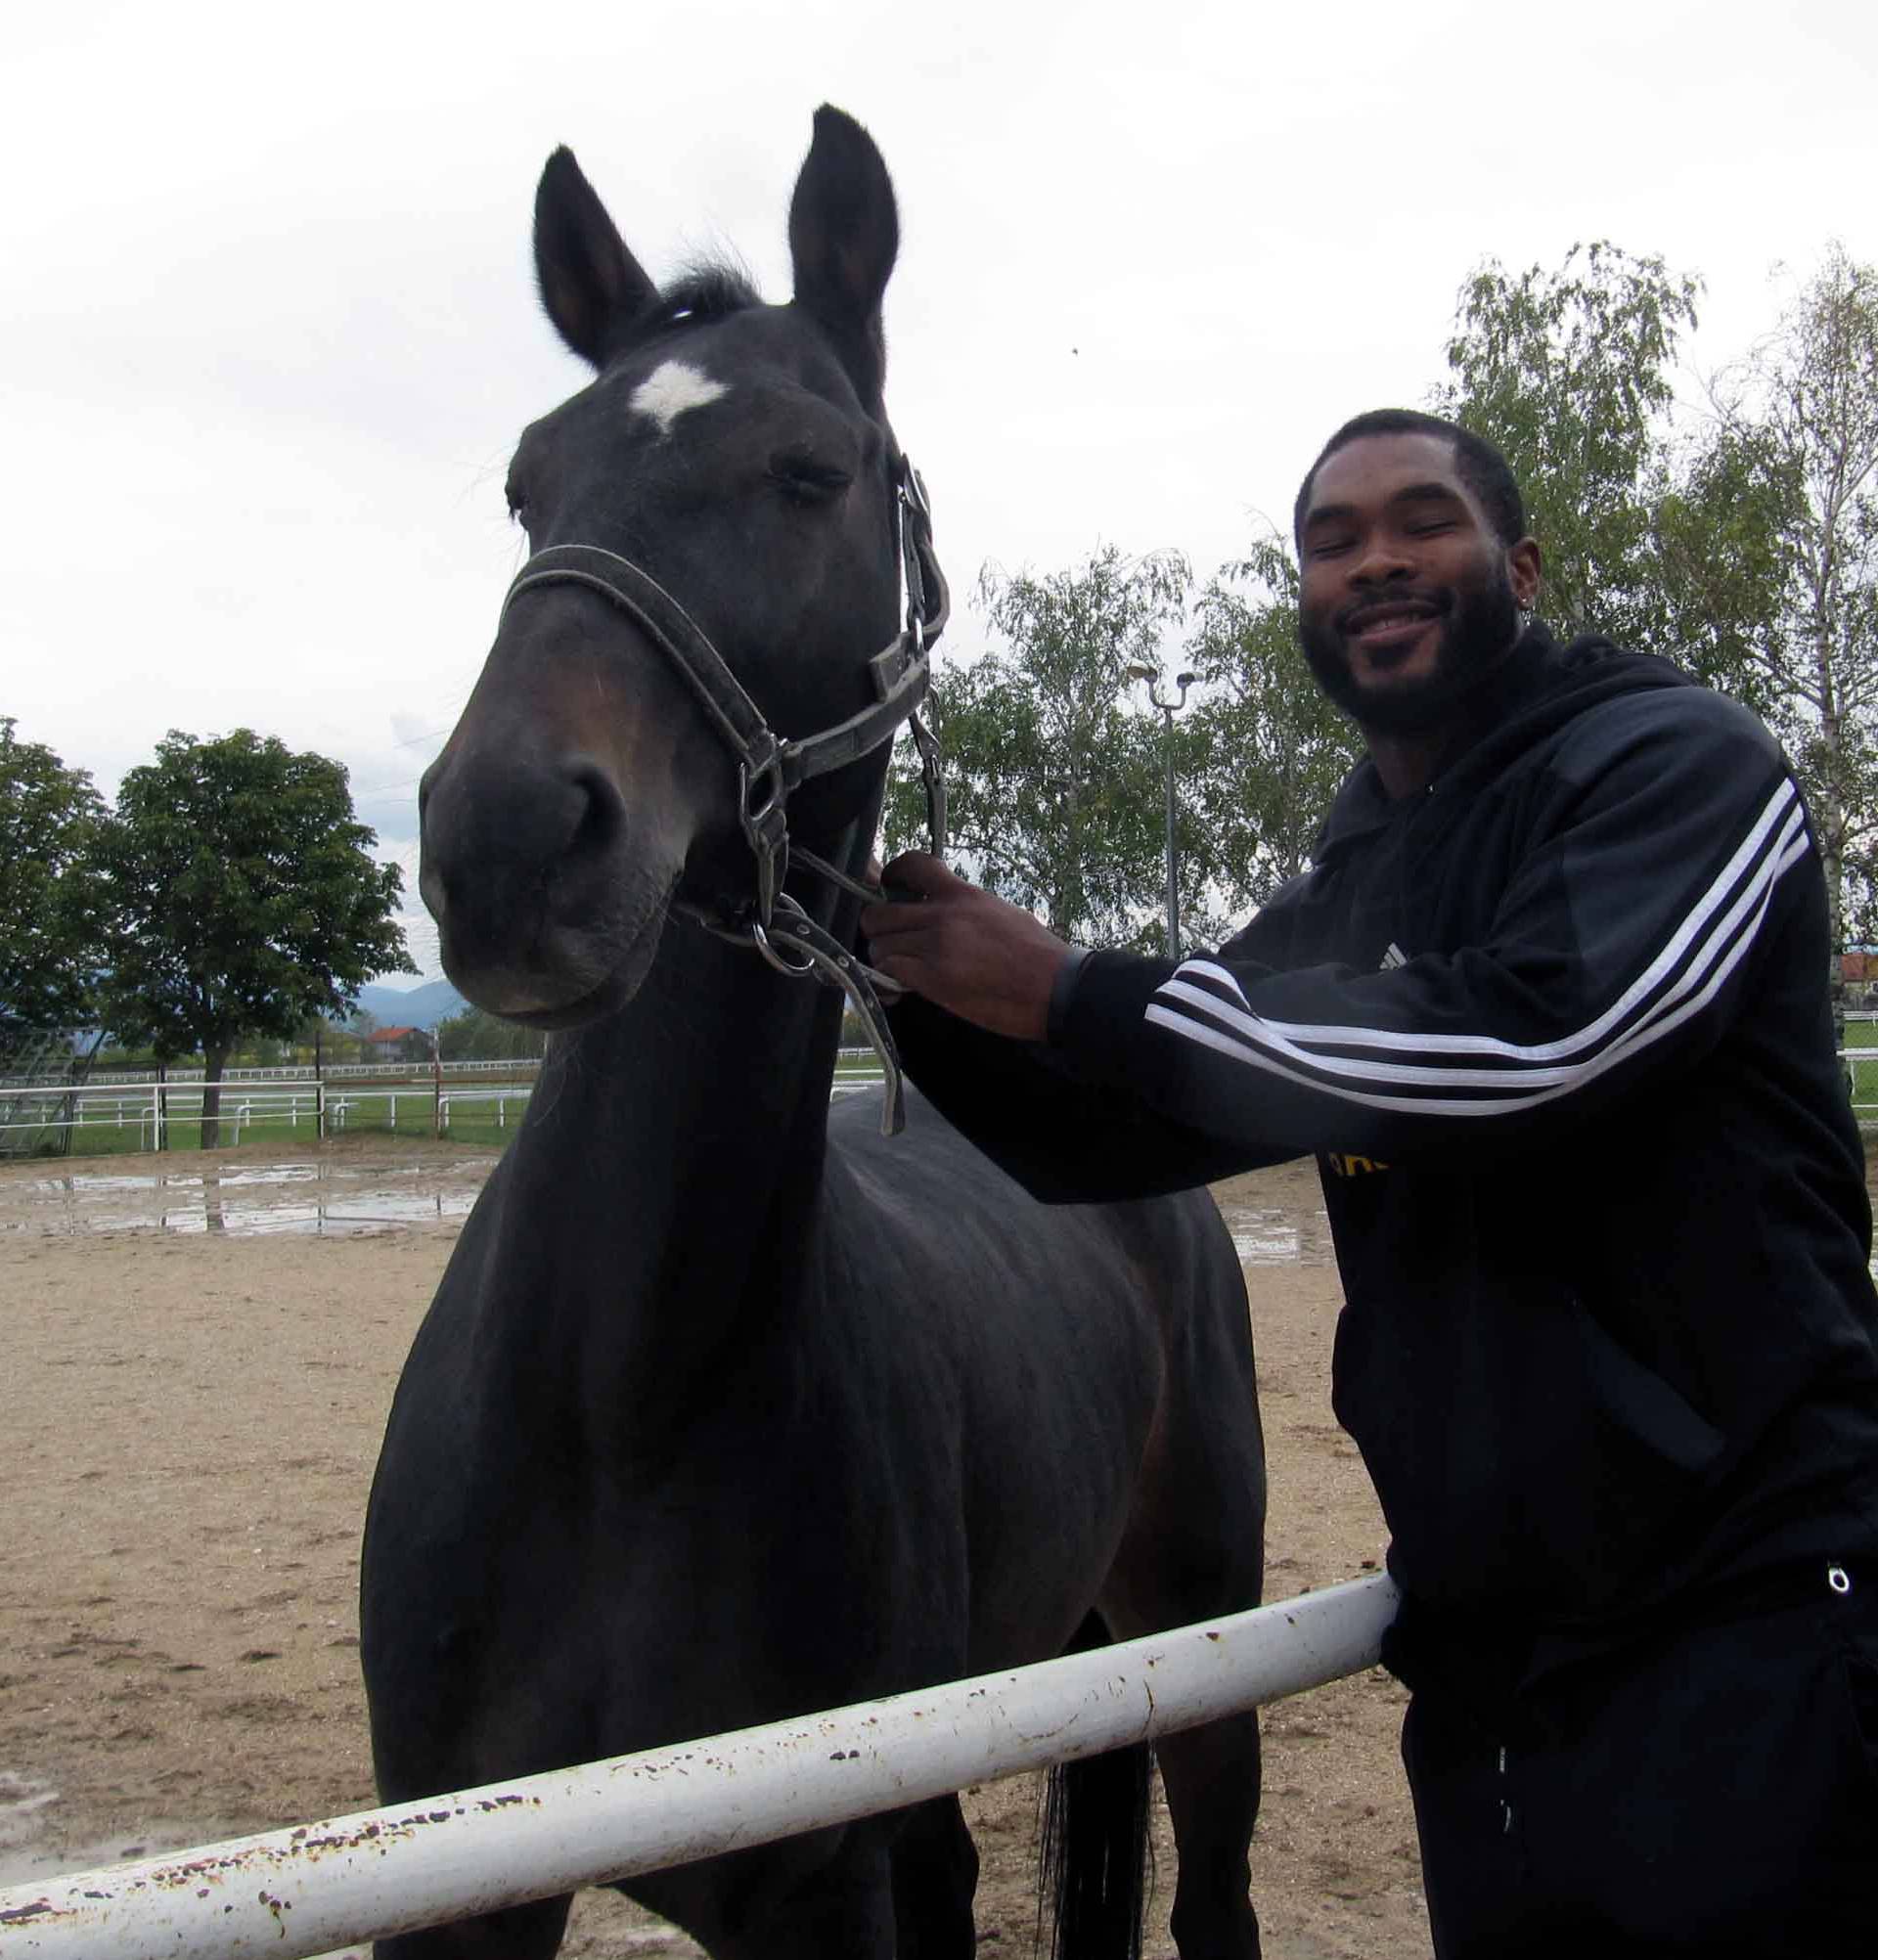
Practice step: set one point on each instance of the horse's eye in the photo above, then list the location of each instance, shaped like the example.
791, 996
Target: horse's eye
805, 478
518, 505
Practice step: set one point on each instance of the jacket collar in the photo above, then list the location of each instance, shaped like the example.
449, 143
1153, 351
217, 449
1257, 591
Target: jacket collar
1538, 685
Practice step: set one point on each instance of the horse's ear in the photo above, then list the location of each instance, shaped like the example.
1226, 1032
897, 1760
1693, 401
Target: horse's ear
843, 234
592, 286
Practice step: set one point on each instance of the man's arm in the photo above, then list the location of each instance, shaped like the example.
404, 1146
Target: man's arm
987, 1060
1065, 1138
1670, 853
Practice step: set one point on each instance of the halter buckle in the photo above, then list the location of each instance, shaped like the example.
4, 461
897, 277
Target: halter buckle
763, 808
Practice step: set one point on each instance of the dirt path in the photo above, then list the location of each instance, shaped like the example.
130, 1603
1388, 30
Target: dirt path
196, 1377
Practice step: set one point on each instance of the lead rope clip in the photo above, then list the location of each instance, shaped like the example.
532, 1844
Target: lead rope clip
833, 964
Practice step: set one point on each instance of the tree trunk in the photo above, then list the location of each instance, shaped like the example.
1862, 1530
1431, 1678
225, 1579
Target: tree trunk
1830, 823
213, 1061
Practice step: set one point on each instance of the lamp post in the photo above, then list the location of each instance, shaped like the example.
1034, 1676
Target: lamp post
1169, 709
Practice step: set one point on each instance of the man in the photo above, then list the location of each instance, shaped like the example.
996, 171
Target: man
1551, 1010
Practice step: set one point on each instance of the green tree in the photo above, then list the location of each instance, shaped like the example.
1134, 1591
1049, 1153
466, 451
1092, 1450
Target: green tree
1268, 751
50, 931
1568, 372
1787, 481
242, 900
1054, 782
1717, 524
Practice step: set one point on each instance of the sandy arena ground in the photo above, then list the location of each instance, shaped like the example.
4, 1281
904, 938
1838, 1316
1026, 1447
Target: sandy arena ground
197, 1376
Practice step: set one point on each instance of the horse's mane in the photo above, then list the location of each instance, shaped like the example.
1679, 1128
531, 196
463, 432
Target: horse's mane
706, 289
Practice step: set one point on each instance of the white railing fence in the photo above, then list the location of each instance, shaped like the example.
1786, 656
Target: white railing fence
108, 1115
522, 1070
1861, 1071
301, 1893
329, 1072
102, 1116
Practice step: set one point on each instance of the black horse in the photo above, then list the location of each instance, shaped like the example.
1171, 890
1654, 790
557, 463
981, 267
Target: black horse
728, 1407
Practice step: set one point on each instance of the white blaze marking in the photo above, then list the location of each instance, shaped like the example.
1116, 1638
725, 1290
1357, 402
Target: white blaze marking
672, 387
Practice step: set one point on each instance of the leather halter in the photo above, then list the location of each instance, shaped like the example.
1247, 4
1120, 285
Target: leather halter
769, 769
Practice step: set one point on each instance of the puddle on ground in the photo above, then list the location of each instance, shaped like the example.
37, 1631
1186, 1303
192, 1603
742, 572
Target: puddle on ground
357, 1198
369, 1211
292, 1197
25, 1804
23, 1800
1280, 1235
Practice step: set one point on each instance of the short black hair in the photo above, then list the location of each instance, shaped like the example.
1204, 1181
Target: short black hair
1477, 463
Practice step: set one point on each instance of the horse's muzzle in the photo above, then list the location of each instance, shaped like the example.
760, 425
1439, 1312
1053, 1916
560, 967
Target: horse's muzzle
527, 871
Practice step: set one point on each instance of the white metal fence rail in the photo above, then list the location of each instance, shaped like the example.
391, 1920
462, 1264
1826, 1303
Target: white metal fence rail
153, 1108
306, 1107
295, 1894
345, 1071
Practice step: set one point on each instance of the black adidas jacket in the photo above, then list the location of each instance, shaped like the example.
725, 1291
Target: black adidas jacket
1558, 1031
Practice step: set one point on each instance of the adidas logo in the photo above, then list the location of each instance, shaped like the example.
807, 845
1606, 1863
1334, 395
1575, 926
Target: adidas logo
1393, 959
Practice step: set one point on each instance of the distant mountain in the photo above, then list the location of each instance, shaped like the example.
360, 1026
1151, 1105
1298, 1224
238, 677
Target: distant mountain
414, 1008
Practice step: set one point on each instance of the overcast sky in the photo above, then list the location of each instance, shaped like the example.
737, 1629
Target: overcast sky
269, 330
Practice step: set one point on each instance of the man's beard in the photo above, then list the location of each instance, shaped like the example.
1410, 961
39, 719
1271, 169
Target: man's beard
1478, 629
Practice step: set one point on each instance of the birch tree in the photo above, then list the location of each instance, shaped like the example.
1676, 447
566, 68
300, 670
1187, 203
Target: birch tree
1792, 466
1570, 374
1054, 774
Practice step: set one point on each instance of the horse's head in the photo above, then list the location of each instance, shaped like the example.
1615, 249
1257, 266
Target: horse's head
714, 523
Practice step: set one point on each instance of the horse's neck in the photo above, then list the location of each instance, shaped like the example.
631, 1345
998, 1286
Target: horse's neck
669, 1178
707, 1089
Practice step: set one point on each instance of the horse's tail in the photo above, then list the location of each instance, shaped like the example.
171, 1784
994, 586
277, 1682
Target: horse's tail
1095, 1850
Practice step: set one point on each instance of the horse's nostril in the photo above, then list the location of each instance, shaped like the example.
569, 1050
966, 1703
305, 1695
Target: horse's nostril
602, 821
497, 837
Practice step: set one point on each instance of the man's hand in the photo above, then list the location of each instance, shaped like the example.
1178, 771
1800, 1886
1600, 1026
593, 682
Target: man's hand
969, 952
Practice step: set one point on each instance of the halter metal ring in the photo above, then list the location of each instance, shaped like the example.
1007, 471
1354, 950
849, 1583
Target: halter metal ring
761, 940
